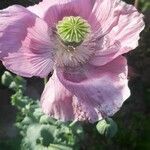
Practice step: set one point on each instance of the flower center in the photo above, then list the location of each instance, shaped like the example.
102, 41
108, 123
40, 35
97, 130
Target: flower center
73, 30
71, 41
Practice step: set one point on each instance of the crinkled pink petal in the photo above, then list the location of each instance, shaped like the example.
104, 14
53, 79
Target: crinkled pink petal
85, 110
25, 45
56, 100
103, 15
13, 28
53, 10
59, 103
123, 37
104, 88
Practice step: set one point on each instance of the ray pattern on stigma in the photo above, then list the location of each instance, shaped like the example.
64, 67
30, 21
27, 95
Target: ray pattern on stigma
73, 29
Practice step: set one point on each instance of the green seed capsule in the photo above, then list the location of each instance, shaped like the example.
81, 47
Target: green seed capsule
73, 29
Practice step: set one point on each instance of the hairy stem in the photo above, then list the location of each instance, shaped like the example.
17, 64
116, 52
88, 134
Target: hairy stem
136, 3
45, 80
73, 123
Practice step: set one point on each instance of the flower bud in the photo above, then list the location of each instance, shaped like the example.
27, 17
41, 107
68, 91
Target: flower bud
107, 127
12, 82
7, 78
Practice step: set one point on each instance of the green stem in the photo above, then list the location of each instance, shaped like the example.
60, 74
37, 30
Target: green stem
136, 3
45, 80
73, 123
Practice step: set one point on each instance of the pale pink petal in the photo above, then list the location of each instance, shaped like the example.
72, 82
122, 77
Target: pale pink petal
122, 38
103, 16
104, 88
59, 103
85, 110
56, 100
14, 22
128, 29
25, 45
53, 10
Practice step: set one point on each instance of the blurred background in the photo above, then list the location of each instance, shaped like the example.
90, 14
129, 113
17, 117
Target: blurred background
133, 119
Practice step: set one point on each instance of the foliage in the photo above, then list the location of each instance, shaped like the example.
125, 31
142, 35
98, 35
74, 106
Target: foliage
145, 5
134, 125
39, 131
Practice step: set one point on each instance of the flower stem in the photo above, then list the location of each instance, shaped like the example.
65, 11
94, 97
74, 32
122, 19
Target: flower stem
45, 80
136, 3
72, 123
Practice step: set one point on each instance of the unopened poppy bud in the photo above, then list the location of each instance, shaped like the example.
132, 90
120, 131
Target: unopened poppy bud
107, 127
7, 78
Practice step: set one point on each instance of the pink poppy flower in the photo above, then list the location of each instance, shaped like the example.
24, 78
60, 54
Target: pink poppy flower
82, 41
